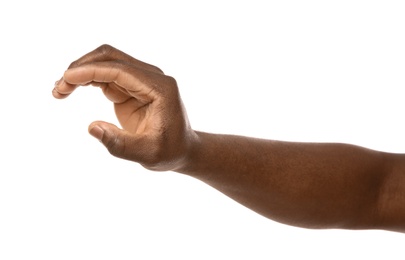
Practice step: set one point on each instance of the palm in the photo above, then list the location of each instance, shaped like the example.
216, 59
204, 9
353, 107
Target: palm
133, 119
135, 112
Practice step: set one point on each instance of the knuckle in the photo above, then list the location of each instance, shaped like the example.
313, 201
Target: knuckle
156, 68
171, 87
74, 64
105, 49
170, 83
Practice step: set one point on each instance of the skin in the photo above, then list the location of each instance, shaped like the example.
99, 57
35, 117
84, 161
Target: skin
310, 185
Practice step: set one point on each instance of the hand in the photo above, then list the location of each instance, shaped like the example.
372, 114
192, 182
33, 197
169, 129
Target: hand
155, 129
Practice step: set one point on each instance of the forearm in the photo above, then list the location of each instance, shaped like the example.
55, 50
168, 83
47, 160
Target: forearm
303, 184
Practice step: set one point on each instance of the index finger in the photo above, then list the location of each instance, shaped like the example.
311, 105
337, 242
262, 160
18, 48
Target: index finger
135, 81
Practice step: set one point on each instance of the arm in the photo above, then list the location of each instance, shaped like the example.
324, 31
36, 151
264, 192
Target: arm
311, 185
302, 184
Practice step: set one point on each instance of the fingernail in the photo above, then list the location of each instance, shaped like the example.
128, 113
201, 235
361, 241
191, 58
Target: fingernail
97, 132
55, 92
55, 89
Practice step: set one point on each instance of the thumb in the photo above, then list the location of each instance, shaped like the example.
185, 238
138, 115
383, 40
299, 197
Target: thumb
113, 138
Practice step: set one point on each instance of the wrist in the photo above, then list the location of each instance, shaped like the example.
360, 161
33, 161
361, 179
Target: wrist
187, 162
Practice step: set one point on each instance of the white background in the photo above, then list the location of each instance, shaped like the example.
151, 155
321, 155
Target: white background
324, 71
